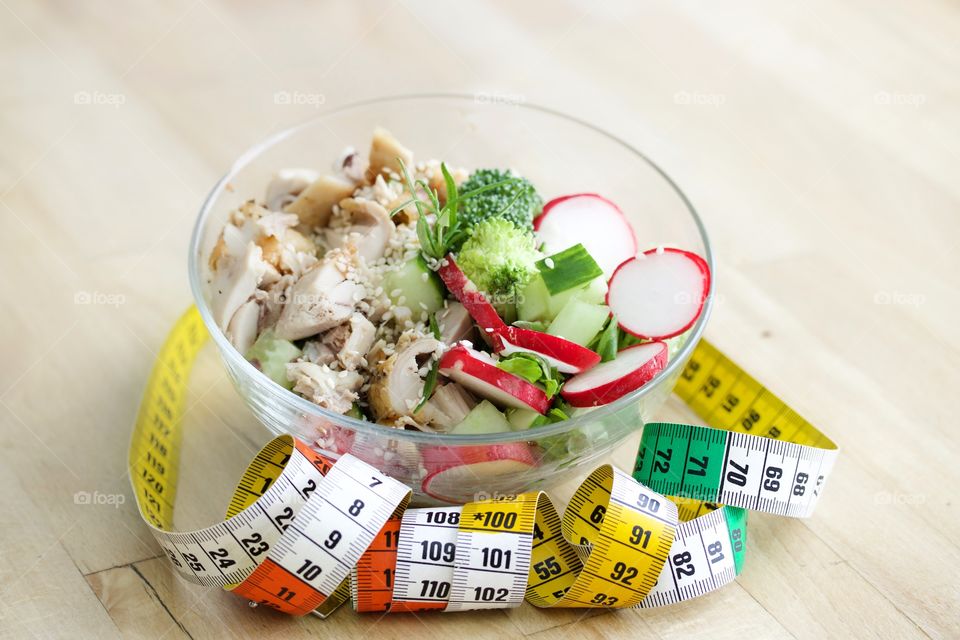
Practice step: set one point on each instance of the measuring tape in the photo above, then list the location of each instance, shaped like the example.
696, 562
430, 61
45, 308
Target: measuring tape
303, 533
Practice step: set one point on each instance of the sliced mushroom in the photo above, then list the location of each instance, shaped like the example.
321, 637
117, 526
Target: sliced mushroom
315, 203
384, 151
286, 185
455, 323
370, 228
398, 385
446, 408
321, 299
234, 281
242, 330
351, 164
334, 390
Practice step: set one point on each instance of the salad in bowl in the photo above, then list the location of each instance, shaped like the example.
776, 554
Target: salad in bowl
443, 306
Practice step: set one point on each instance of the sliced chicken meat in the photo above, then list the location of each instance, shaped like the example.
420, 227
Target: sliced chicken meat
355, 348
330, 389
321, 299
347, 343
370, 228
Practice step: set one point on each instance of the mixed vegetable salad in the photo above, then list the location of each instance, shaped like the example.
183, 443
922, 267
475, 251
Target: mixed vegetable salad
420, 296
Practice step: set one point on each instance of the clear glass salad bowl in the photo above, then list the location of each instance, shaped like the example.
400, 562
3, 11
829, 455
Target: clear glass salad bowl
560, 155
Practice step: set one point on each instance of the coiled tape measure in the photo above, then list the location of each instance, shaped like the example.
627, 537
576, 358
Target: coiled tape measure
303, 533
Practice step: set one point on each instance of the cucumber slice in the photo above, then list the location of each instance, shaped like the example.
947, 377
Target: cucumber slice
537, 305
483, 418
521, 419
579, 321
534, 304
418, 286
271, 355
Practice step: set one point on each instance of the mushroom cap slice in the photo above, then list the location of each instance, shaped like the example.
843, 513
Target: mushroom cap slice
384, 152
286, 185
398, 387
242, 330
234, 281
455, 323
446, 408
315, 203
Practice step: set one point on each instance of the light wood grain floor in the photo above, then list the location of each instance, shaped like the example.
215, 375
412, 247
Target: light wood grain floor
820, 140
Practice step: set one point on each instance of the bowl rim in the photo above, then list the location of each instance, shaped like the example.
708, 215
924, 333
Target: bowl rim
307, 407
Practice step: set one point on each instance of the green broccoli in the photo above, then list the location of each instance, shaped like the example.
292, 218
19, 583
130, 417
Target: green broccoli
499, 258
516, 200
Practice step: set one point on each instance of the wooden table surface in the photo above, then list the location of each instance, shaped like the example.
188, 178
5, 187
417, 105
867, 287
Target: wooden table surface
820, 141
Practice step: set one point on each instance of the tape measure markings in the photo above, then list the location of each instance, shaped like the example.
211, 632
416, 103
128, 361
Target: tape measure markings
303, 533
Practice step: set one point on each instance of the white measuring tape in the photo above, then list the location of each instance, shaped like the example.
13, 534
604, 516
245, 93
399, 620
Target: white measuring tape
303, 532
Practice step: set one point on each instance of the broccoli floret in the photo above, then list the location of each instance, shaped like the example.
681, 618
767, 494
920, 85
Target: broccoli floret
498, 257
496, 202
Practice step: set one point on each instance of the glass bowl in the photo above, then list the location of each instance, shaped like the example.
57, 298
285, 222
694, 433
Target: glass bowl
560, 155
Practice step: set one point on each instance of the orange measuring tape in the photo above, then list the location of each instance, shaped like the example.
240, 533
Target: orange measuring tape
303, 533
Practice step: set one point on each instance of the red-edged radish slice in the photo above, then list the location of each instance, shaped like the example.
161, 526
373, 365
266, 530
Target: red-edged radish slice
631, 369
660, 293
479, 373
470, 297
568, 357
455, 474
589, 219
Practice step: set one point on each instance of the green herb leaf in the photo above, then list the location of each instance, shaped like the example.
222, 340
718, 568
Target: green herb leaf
551, 386
410, 187
522, 366
534, 369
568, 269
429, 384
425, 235
627, 339
453, 199
607, 344
532, 325
403, 206
434, 327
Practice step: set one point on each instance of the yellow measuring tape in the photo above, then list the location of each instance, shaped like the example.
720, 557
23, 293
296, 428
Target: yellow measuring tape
303, 532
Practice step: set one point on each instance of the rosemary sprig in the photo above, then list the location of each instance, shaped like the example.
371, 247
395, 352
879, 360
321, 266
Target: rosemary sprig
446, 231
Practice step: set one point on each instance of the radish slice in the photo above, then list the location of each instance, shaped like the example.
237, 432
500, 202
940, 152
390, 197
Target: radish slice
591, 220
568, 357
631, 369
660, 293
472, 298
454, 474
479, 373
